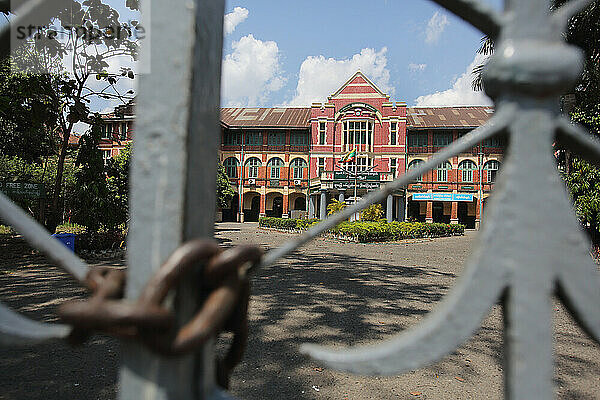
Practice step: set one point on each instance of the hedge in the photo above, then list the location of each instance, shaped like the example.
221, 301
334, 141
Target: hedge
287, 224
370, 231
84, 240
6, 230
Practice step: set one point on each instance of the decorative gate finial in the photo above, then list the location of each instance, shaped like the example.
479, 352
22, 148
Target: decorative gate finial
531, 245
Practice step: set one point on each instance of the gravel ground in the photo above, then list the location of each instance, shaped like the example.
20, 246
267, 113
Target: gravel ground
331, 293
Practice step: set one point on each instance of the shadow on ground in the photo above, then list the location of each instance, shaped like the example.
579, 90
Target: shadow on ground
326, 298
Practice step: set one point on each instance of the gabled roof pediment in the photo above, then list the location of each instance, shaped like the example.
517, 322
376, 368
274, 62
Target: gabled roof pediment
358, 85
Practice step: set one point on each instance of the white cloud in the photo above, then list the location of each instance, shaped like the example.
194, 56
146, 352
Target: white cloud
412, 67
251, 72
319, 76
461, 93
234, 18
435, 27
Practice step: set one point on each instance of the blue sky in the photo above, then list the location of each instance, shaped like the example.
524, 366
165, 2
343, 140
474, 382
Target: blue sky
293, 53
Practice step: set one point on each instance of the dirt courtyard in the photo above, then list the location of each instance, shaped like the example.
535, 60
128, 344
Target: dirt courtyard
331, 293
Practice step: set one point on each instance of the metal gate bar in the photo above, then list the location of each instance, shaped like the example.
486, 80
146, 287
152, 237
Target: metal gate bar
173, 175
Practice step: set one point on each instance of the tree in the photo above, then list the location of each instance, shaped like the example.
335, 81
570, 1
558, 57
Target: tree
16, 169
486, 48
224, 190
88, 34
90, 199
117, 171
583, 31
583, 180
100, 198
584, 185
335, 206
28, 113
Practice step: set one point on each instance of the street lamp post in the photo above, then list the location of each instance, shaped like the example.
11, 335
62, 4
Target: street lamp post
480, 185
241, 185
354, 174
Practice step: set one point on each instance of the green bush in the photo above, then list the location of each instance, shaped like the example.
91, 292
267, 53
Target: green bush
71, 228
6, 230
366, 231
84, 240
286, 223
335, 206
99, 241
372, 213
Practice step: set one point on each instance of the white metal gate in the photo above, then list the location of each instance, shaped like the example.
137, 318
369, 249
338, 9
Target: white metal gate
173, 186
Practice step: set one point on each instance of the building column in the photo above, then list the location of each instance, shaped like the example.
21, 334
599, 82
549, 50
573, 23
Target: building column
341, 197
400, 208
263, 202
388, 208
241, 207
429, 213
477, 216
311, 206
323, 210
454, 213
286, 203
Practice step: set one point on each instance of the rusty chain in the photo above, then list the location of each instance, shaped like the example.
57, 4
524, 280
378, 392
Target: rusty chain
224, 275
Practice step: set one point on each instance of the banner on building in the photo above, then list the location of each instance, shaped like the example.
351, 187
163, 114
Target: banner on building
361, 176
443, 196
359, 185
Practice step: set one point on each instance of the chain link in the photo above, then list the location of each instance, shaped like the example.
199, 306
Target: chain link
224, 276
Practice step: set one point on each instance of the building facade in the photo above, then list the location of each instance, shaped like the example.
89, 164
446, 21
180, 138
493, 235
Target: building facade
287, 162
266, 153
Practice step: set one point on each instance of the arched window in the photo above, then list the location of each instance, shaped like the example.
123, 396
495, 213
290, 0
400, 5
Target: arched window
492, 168
467, 167
231, 165
414, 164
442, 171
300, 203
253, 164
298, 165
274, 165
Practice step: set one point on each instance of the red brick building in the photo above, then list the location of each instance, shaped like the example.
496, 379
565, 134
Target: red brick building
286, 161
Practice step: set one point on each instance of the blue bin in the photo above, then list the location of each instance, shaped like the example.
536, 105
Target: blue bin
68, 239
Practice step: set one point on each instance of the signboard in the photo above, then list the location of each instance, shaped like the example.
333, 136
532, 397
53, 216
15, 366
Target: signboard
362, 176
23, 189
359, 185
463, 196
443, 196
